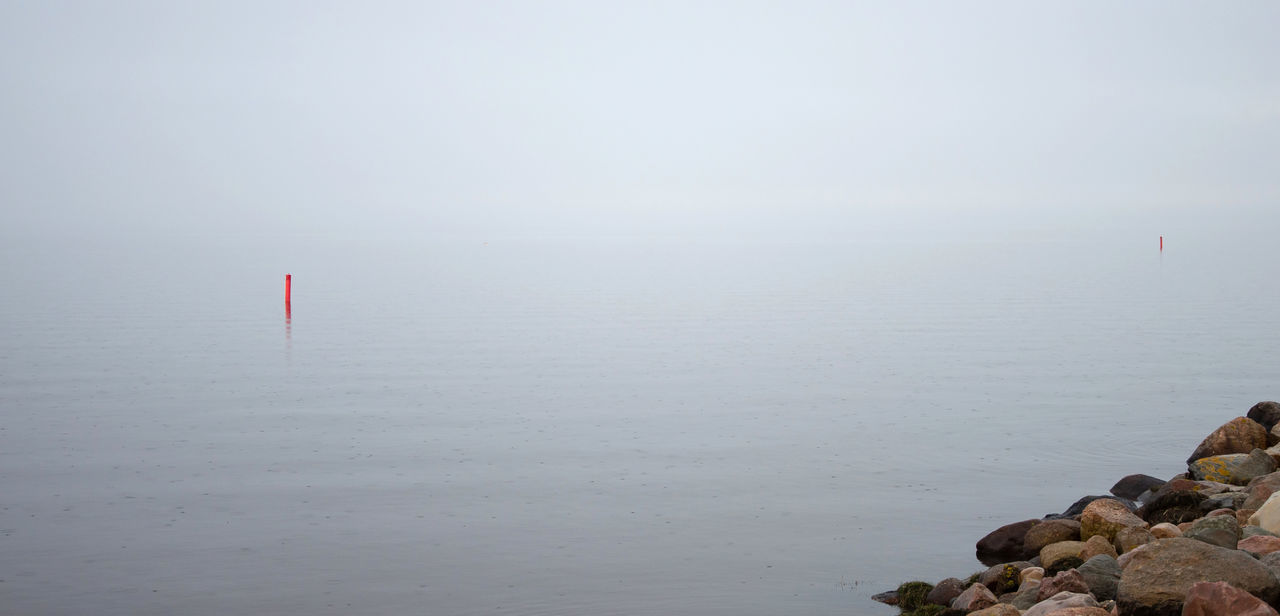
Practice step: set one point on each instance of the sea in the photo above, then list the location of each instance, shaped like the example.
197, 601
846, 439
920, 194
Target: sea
592, 424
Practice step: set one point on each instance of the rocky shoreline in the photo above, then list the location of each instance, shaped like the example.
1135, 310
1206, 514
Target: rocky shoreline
1203, 543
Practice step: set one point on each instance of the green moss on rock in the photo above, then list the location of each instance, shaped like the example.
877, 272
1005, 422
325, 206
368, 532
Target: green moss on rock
926, 610
911, 595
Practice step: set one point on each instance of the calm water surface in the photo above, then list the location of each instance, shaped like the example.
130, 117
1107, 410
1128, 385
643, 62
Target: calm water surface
587, 427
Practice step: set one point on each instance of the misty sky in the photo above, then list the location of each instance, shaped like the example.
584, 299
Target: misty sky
478, 118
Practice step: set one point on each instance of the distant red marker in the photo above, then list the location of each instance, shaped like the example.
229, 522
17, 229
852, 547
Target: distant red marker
1161, 243
288, 282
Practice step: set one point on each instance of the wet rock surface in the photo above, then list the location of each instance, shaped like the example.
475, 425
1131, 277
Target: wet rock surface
1204, 543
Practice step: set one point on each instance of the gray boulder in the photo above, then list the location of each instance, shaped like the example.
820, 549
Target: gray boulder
1233, 468
1266, 413
1137, 487
1102, 574
1157, 578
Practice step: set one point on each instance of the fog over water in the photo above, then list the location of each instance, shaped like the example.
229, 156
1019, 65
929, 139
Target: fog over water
709, 308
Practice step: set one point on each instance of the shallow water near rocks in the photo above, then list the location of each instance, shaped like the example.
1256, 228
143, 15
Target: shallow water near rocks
578, 426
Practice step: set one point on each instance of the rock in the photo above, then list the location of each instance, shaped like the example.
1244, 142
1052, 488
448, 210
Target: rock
1058, 556
1124, 559
1031, 573
1102, 575
1266, 414
1214, 536
1129, 538
1106, 517
1240, 435
945, 592
1081, 611
1097, 545
1272, 563
1261, 488
911, 595
1159, 575
1221, 522
1137, 487
1026, 597
1077, 507
1259, 545
1226, 501
1061, 601
1005, 543
1243, 515
1173, 504
1268, 515
974, 598
1250, 531
1051, 531
999, 609
889, 597
1222, 530
1222, 599
1164, 530
1234, 468
1066, 581
1004, 578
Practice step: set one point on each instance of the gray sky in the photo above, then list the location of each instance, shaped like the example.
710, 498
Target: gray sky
477, 118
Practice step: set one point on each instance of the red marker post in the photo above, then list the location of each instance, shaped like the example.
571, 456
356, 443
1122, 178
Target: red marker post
288, 282
1161, 243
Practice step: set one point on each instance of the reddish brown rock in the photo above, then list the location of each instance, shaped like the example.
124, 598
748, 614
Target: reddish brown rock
1259, 545
1164, 530
1065, 581
1223, 599
1260, 489
1106, 517
1005, 543
974, 598
1240, 435
945, 591
1051, 531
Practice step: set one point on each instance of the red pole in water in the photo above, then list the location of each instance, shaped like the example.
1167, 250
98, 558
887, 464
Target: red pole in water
1161, 243
288, 282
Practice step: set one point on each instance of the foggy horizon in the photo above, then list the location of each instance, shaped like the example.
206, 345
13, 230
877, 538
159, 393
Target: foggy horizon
580, 119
